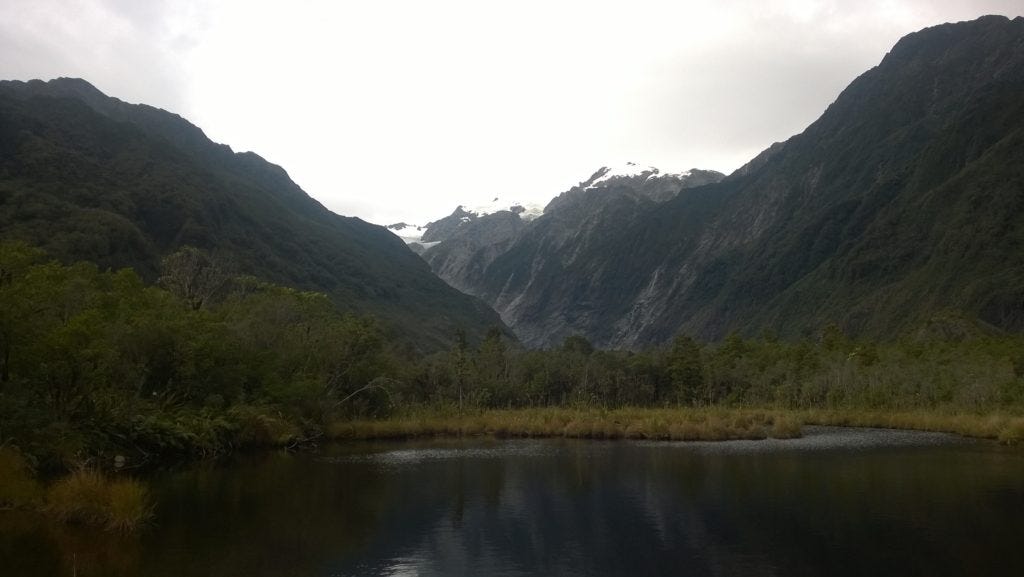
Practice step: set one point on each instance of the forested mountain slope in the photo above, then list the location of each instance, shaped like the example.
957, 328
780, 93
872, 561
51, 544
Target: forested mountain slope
904, 200
88, 177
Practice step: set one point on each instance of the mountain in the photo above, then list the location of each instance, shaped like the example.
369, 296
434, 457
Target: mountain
89, 177
465, 243
467, 247
905, 199
411, 235
422, 237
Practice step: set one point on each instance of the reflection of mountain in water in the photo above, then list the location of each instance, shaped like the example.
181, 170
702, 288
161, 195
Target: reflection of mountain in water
835, 506
839, 502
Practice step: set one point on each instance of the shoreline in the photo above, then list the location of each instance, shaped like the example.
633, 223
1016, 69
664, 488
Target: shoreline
672, 424
123, 504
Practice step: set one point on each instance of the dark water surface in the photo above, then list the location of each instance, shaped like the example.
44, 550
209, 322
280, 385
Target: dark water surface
837, 502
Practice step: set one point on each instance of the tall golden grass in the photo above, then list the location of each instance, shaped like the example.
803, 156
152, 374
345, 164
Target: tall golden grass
675, 424
1007, 428
92, 498
657, 424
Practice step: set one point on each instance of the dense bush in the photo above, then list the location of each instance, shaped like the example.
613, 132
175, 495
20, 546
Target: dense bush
96, 363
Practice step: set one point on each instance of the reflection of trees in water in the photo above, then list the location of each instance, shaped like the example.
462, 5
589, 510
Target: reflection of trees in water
32, 544
563, 507
276, 515
617, 509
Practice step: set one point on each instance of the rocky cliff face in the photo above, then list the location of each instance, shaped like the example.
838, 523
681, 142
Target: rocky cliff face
462, 258
904, 199
571, 223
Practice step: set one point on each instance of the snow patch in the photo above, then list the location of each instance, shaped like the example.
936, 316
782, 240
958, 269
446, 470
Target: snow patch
629, 170
526, 211
409, 233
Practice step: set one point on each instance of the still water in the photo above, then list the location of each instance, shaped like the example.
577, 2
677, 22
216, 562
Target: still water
837, 502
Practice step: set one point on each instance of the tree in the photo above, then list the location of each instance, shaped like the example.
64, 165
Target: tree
193, 276
491, 360
686, 368
459, 363
833, 338
577, 344
15, 314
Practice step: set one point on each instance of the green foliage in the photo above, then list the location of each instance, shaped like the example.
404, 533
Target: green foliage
191, 275
974, 375
98, 363
256, 428
577, 344
687, 369
833, 339
90, 178
677, 424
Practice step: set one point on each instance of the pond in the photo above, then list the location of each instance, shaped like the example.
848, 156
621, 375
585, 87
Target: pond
836, 502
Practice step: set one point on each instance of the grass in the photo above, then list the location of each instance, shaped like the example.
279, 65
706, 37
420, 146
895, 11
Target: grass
92, 498
124, 504
675, 424
1013, 432
656, 424
84, 496
786, 427
1005, 427
130, 505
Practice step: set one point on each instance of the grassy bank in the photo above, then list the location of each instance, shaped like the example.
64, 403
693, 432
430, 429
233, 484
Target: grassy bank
657, 424
1007, 428
677, 424
120, 503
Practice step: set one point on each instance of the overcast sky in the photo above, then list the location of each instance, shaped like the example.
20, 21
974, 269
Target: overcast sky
401, 109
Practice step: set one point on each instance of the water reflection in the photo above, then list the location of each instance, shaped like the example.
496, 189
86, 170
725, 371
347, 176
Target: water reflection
837, 502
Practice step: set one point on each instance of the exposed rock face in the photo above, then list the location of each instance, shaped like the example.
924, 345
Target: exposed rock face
463, 256
421, 238
571, 224
905, 198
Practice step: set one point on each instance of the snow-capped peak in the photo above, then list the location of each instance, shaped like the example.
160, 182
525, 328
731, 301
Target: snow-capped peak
526, 211
407, 232
627, 170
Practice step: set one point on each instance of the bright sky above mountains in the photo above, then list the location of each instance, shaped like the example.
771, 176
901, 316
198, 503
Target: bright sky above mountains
398, 110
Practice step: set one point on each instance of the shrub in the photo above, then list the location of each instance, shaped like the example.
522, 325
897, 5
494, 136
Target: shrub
89, 497
785, 427
1012, 433
130, 505
81, 496
259, 429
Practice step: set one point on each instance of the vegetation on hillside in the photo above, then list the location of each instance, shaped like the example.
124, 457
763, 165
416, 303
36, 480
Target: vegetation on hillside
96, 364
100, 371
902, 199
90, 178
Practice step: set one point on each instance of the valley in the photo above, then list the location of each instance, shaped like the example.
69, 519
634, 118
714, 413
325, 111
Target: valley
830, 336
